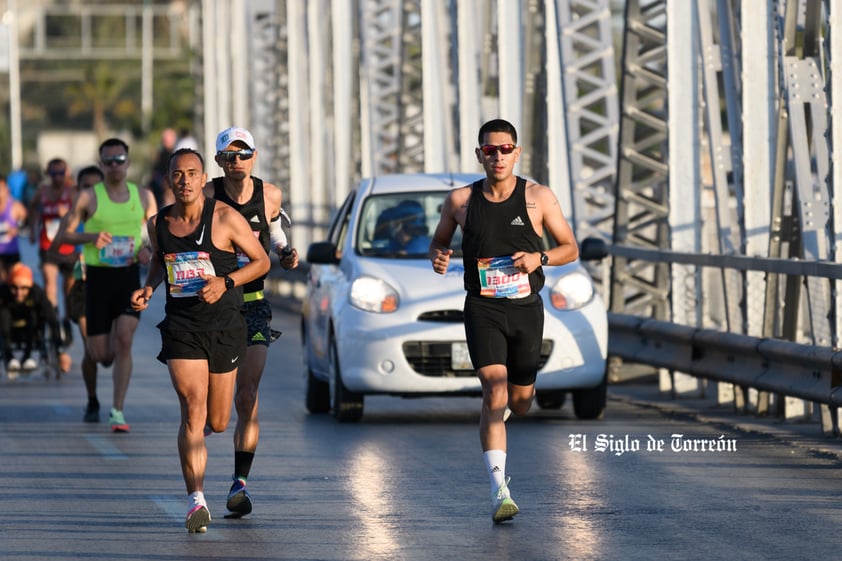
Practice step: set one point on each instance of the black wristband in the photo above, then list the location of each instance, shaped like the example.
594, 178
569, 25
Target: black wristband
229, 282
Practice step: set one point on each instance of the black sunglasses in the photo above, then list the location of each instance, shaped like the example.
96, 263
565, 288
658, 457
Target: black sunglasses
114, 160
491, 149
230, 156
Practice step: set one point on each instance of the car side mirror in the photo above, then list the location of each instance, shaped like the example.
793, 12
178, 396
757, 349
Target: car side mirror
593, 249
323, 253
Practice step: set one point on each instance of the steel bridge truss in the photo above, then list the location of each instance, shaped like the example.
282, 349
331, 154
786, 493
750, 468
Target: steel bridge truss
728, 202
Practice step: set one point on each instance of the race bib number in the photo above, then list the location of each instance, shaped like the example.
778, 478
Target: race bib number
498, 278
185, 270
119, 253
51, 227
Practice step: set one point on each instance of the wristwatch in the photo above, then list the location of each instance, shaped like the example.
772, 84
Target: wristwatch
229, 282
545, 259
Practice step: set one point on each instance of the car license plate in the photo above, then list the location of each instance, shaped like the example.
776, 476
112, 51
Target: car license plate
459, 357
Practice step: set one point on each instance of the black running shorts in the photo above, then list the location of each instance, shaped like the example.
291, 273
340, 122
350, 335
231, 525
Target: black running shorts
223, 349
258, 314
506, 331
107, 294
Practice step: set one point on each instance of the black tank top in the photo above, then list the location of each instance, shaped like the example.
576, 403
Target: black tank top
254, 210
182, 257
498, 229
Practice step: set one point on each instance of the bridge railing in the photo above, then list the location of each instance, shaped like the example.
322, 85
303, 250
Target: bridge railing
785, 368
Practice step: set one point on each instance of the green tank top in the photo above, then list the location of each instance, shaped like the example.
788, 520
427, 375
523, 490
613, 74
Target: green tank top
123, 221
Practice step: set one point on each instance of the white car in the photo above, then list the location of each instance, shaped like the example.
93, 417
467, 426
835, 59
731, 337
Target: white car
377, 320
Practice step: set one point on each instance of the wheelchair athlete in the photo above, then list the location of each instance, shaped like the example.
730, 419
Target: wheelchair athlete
25, 313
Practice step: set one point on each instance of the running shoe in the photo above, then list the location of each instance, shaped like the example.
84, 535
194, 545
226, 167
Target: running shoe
118, 421
502, 506
29, 364
13, 365
239, 501
198, 516
92, 412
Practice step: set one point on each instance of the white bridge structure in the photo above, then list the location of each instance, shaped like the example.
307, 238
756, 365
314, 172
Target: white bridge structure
699, 138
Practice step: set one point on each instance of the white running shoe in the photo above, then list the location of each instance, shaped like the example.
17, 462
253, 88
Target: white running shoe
502, 506
198, 515
13, 365
30, 364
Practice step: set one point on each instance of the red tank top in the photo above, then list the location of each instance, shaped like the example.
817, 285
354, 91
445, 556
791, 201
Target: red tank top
51, 213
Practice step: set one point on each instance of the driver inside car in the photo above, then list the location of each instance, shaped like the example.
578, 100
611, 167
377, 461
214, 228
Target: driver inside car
407, 228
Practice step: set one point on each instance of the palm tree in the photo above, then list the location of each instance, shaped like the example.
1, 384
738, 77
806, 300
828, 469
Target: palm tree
104, 92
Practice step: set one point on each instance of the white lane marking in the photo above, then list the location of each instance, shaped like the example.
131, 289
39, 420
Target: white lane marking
107, 450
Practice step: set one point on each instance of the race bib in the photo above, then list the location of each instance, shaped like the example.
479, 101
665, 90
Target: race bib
185, 270
119, 253
51, 227
498, 278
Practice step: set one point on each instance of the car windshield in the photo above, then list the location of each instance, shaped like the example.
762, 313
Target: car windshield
400, 225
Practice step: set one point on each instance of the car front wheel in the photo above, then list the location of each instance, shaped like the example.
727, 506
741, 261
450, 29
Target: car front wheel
590, 403
318, 394
347, 405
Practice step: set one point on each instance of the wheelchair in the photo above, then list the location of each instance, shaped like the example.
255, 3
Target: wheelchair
44, 351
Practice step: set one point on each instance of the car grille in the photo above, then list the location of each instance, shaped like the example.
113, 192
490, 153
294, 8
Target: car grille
433, 359
443, 316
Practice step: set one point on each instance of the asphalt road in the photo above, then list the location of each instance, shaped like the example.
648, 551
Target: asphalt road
408, 482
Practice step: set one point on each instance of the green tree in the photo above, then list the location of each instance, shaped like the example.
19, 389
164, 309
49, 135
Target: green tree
105, 93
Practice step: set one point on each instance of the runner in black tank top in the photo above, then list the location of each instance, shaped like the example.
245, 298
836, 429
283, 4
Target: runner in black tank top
203, 333
503, 218
260, 203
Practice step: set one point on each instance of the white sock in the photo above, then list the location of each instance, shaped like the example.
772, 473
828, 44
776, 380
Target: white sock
196, 497
495, 462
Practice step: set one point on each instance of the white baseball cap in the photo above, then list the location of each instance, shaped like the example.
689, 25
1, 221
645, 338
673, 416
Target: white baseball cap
232, 134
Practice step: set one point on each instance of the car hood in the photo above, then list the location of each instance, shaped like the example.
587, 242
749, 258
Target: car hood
421, 289
415, 280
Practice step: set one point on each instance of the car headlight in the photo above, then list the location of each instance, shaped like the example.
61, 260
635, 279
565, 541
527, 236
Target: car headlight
373, 295
572, 291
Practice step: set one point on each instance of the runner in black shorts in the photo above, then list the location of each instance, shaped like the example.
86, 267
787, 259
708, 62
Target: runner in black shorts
203, 334
112, 214
260, 204
503, 219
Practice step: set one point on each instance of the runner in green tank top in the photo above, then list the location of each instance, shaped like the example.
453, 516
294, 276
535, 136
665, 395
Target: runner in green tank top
114, 247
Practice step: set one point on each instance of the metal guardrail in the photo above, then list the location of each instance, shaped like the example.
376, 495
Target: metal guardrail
809, 372
824, 269
774, 365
